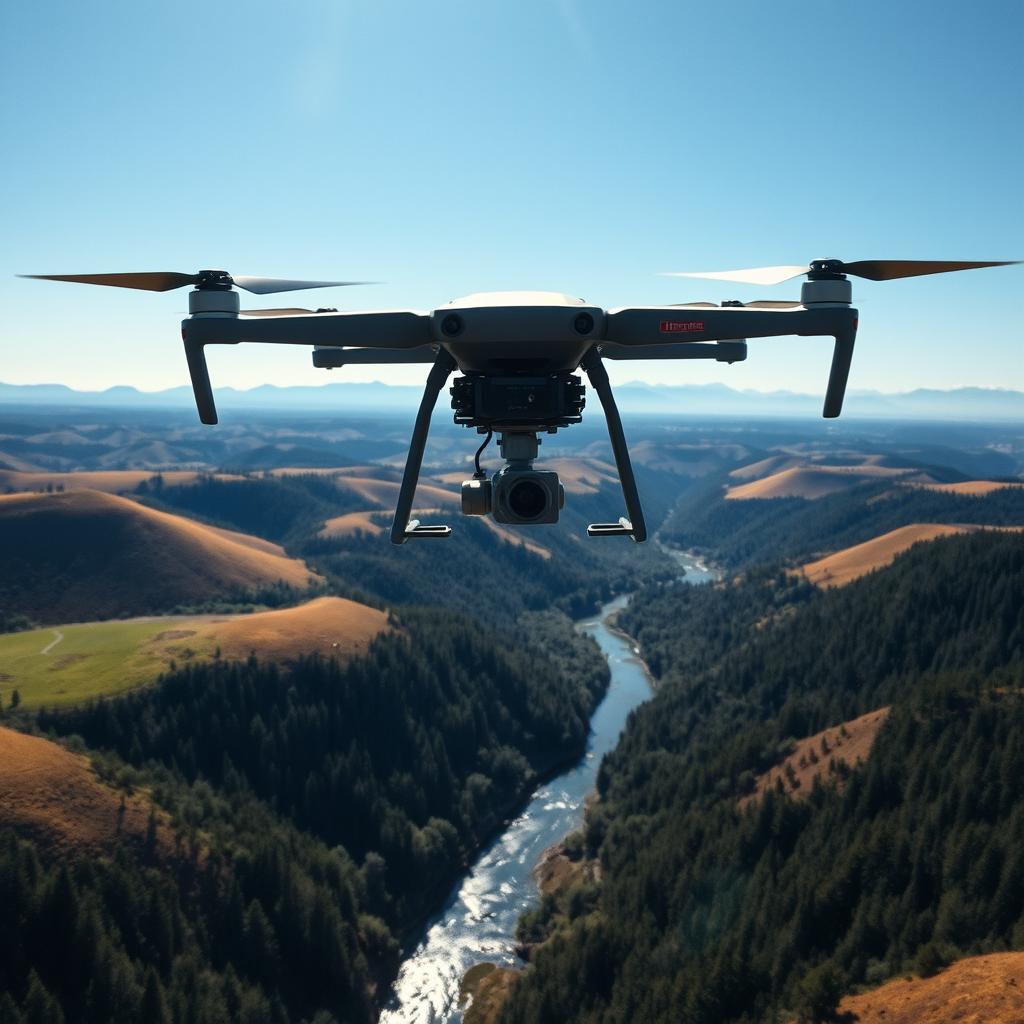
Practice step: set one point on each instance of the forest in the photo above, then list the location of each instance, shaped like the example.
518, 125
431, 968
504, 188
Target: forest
710, 911
319, 810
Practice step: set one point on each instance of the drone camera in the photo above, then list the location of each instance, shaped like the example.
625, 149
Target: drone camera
525, 497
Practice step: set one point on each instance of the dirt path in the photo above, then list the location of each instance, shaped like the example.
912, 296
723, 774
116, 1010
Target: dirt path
58, 636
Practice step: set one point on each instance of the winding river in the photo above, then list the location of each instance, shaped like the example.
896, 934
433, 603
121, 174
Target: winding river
478, 922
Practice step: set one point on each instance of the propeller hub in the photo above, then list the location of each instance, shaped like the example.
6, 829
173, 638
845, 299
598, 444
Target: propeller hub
826, 270
213, 280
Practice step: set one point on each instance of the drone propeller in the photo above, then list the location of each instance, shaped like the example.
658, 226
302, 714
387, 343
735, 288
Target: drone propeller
759, 304
872, 270
165, 281
294, 311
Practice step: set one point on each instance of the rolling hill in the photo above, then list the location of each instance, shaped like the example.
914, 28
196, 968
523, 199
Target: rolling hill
85, 555
842, 567
815, 481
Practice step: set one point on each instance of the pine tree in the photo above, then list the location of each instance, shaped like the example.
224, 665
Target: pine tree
154, 1003
40, 1007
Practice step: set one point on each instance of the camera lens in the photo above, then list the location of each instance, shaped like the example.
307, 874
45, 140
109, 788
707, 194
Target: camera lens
451, 325
527, 499
584, 323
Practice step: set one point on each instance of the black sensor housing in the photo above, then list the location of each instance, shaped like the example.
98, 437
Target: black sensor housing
518, 403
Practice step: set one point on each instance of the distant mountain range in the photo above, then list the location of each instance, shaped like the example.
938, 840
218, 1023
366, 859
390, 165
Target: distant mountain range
978, 404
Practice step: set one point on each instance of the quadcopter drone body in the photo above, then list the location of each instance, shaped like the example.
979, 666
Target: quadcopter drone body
518, 353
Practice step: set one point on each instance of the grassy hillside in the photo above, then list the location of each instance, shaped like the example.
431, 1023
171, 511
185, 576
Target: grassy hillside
85, 555
979, 988
70, 664
715, 909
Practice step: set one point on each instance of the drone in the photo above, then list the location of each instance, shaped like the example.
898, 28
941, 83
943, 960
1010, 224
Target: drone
518, 353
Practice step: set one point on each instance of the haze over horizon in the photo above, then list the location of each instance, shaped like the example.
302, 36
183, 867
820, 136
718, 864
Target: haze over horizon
485, 148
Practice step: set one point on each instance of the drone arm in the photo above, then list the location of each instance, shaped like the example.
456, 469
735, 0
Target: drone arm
330, 357
394, 334
635, 525
649, 326
399, 328
723, 351
671, 325
402, 528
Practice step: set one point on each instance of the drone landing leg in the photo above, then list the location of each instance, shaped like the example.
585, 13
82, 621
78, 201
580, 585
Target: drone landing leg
402, 528
634, 526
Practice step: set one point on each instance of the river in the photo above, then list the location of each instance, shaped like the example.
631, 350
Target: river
478, 922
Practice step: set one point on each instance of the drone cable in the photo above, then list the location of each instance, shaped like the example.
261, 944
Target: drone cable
480, 474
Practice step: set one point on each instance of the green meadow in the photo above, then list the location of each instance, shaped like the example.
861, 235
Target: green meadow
94, 659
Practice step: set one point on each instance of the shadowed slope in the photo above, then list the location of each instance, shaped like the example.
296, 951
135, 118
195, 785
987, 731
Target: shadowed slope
88, 555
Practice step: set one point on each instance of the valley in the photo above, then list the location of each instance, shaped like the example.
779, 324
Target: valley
339, 739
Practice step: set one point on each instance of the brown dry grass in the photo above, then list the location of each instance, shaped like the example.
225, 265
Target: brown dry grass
331, 626
53, 797
979, 990
811, 482
809, 760
556, 871
352, 523
842, 567
767, 467
488, 986
975, 488
249, 541
112, 481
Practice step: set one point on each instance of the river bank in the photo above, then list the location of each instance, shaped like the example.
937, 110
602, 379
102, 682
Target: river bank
477, 926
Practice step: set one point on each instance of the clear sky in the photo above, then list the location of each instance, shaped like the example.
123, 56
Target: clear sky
569, 145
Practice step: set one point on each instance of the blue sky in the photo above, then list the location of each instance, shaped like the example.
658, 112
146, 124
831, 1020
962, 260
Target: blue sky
446, 148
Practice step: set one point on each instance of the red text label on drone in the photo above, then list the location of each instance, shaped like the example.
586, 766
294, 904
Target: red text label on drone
681, 326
